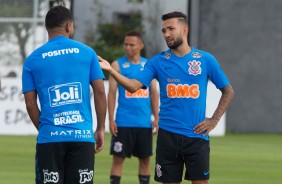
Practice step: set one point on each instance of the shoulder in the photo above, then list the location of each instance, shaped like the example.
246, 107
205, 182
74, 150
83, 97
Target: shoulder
81, 45
196, 53
160, 56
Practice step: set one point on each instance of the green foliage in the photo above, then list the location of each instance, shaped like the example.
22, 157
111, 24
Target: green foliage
109, 45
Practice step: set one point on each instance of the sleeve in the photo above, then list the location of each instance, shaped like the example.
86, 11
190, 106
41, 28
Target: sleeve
27, 79
147, 74
215, 73
95, 70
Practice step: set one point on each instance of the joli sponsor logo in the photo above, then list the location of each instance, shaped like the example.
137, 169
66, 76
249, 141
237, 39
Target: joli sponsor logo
64, 94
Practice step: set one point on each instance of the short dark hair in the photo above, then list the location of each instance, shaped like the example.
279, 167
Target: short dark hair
134, 33
57, 16
181, 16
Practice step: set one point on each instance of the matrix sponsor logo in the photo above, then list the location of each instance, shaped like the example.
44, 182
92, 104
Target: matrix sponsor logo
64, 94
77, 134
85, 175
50, 177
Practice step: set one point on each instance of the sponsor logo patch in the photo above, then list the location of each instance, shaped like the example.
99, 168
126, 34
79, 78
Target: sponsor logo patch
167, 55
194, 67
182, 91
64, 94
85, 175
158, 170
118, 147
196, 55
50, 177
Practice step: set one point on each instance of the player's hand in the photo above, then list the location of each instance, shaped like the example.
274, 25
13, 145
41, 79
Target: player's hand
155, 127
100, 140
206, 126
105, 65
113, 128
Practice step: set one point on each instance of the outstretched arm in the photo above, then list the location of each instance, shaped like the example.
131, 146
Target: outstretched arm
131, 85
210, 123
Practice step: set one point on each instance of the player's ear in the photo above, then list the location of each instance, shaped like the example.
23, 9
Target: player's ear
68, 27
186, 30
141, 45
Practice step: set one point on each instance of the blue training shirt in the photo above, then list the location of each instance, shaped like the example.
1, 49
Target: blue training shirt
61, 71
134, 109
183, 88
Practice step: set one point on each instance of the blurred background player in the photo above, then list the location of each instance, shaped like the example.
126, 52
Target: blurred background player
132, 127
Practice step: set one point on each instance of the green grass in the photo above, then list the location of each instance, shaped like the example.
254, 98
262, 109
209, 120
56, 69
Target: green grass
235, 159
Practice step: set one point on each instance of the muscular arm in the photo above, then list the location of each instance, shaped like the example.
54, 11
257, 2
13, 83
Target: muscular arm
100, 107
225, 100
32, 107
210, 123
112, 100
131, 85
154, 96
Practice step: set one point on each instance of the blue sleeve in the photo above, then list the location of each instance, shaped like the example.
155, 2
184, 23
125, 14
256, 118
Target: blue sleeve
95, 71
147, 74
27, 79
215, 73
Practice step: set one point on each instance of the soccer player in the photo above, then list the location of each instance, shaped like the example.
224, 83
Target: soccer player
132, 127
60, 73
183, 73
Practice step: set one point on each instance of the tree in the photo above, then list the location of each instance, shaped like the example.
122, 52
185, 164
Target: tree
21, 30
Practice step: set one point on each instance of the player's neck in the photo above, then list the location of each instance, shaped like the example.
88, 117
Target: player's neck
52, 34
181, 50
134, 59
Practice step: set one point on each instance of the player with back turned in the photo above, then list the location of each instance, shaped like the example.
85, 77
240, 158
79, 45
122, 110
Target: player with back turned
60, 74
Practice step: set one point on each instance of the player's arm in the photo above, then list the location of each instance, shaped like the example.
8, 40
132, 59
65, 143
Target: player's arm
210, 123
100, 107
112, 100
32, 107
131, 85
154, 97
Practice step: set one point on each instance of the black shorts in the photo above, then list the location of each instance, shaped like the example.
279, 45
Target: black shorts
132, 141
174, 151
65, 163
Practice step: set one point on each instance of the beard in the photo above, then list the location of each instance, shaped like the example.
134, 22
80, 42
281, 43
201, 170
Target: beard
178, 42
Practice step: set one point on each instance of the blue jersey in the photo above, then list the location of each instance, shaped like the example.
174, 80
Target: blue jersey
61, 71
134, 109
183, 88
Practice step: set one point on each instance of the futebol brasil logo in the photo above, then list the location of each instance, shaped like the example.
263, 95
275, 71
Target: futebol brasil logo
64, 94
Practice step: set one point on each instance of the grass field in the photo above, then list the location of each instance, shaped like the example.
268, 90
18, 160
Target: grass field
235, 159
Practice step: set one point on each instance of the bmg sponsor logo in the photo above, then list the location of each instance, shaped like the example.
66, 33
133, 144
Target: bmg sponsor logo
50, 177
64, 94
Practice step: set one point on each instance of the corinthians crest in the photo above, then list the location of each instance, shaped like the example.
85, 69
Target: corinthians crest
194, 67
